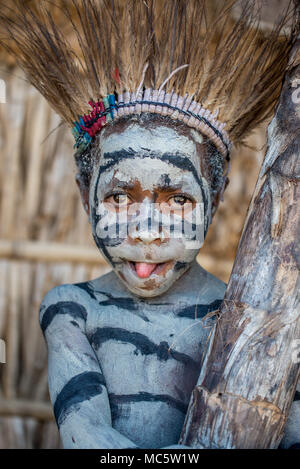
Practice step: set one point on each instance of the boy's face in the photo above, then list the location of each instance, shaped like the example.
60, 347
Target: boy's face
149, 205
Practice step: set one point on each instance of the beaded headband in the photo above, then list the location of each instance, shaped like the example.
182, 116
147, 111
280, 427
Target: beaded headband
184, 109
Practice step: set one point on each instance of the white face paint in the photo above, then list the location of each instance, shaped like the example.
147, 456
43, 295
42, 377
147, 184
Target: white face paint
146, 187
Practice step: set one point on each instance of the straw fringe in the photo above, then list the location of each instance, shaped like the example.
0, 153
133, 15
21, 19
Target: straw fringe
234, 70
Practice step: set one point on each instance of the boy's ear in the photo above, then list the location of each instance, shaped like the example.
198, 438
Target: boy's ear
84, 193
218, 198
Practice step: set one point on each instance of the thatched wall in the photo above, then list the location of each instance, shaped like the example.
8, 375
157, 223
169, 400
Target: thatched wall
40, 212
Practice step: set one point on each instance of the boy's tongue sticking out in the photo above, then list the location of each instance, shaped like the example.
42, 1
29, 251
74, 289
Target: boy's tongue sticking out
143, 269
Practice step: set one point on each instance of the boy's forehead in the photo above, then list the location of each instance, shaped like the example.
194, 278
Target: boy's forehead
160, 140
143, 152
158, 157
149, 174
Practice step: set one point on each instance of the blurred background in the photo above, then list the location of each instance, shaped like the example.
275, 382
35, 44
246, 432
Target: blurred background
45, 239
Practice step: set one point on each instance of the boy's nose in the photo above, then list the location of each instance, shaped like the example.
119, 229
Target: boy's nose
147, 227
146, 233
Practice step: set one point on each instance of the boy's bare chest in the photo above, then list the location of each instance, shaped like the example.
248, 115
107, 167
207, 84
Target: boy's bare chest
150, 354
148, 350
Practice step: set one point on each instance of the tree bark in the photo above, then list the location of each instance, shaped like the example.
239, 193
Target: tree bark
249, 377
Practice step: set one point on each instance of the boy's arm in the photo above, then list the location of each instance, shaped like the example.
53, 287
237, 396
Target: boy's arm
76, 383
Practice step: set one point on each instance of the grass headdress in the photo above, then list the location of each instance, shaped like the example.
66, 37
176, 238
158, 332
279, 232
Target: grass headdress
168, 57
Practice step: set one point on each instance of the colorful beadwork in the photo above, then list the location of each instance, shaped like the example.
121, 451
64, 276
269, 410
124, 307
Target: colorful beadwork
175, 106
89, 125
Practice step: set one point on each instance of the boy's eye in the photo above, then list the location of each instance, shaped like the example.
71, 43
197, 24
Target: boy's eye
179, 200
120, 199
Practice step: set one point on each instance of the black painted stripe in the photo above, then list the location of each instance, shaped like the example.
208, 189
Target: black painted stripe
117, 401
74, 323
95, 219
199, 311
180, 265
87, 288
62, 307
141, 342
80, 388
120, 301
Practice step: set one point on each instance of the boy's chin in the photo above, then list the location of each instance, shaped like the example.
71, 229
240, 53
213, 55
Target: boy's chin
144, 293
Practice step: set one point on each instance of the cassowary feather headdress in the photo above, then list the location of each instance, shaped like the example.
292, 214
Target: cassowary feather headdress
169, 57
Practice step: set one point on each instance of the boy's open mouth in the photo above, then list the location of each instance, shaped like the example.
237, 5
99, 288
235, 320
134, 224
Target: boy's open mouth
145, 269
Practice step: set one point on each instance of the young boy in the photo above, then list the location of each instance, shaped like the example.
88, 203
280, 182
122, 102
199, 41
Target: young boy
125, 349
163, 80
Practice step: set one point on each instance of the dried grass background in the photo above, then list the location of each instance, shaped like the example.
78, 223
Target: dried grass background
45, 240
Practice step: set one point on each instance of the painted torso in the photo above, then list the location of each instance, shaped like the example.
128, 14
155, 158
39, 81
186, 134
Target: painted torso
149, 351
150, 354
122, 369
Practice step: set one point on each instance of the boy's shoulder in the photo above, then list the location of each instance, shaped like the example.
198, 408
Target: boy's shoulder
68, 300
79, 293
215, 285
83, 301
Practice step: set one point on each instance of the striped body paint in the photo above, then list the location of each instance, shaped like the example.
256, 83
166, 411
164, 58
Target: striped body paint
122, 368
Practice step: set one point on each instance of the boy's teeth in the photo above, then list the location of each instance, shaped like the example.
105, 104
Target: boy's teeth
143, 269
